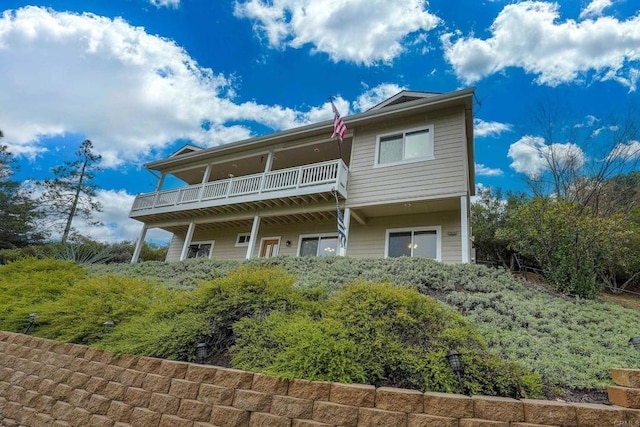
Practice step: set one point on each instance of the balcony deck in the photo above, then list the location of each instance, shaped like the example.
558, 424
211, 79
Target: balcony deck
280, 184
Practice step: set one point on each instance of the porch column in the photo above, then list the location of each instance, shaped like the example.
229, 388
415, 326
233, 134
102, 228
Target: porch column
139, 243
187, 241
254, 236
464, 228
207, 174
347, 222
269, 163
160, 182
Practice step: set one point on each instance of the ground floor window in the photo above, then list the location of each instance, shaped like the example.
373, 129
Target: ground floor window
318, 245
200, 250
422, 242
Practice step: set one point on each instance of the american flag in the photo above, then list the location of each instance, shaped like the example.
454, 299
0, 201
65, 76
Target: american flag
342, 232
339, 128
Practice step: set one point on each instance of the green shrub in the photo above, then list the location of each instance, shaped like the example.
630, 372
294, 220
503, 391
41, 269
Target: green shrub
27, 284
377, 334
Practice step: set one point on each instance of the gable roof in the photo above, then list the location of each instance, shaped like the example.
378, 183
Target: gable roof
403, 96
185, 149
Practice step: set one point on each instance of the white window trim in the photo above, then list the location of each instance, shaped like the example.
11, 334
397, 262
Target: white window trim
245, 244
431, 156
269, 238
204, 242
436, 228
319, 235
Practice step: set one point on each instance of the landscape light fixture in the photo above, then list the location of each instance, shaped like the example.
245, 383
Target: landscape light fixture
202, 352
635, 342
456, 367
108, 326
31, 322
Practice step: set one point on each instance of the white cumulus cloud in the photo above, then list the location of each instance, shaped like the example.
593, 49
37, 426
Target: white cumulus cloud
483, 128
376, 95
359, 31
532, 156
128, 91
166, 3
482, 170
531, 35
595, 8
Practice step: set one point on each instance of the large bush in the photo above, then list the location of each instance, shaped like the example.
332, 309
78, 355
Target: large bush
376, 334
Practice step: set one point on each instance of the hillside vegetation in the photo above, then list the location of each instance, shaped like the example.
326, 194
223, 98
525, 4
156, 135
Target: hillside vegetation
336, 319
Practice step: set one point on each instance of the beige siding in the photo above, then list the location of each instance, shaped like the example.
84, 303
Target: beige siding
365, 241
443, 175
368, 241
225, 239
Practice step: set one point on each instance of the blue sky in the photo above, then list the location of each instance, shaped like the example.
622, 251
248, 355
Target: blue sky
140, 78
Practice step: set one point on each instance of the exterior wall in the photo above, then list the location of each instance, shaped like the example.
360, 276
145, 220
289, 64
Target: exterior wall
48, 383
368, 241
428, 179
365, 241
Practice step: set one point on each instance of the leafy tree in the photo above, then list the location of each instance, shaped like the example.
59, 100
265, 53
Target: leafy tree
72, 193
18, 213
489, 215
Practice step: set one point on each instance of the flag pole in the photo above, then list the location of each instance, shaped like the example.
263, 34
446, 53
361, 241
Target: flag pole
338, 138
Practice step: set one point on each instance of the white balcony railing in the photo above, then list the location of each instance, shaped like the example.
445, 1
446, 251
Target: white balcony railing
263, 186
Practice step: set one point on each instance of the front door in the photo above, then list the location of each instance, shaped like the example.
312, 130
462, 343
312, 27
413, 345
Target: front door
269, 248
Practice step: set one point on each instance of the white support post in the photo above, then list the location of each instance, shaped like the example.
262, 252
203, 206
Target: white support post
187, 241
139, 243
464, 228
347, 222
207, 174
160, 182
254, 236
269, 164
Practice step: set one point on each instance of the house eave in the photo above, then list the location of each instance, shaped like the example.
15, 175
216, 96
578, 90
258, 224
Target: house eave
316, 129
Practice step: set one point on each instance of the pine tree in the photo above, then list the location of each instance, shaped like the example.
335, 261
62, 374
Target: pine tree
72, 193
18, 213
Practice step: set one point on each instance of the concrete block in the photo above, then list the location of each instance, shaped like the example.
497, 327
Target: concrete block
164, 403
215, 395
132, 378
497, 409
156, 383
316, 390
200, 373
114, 391
398, 399
226, 416
252, 401
98, 404
292, 407
473, 422
448, 405
334, 413
120, 411
259, 419
424, 420
149, 365
184, 389
233, 378
549, 412
173, 369
624, 396
143, 417
137, 397
194, 410
353, 394
370, 417
174, 421
268, 384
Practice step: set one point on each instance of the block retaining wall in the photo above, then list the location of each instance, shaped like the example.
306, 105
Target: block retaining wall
47, 383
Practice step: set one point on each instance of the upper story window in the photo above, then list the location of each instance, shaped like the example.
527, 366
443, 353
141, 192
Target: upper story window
411, 145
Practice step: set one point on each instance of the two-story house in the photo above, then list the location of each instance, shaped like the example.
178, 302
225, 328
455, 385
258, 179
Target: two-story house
403, 176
